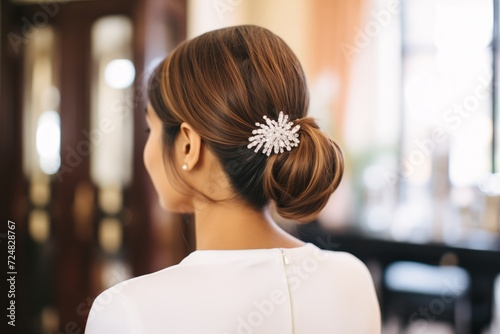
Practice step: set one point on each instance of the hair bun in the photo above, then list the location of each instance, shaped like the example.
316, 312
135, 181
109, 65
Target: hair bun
301, 181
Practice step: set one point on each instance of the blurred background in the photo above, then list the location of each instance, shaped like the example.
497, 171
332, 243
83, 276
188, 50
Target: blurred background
407, 87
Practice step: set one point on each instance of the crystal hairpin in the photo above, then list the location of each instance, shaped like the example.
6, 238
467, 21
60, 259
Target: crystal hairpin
275, 135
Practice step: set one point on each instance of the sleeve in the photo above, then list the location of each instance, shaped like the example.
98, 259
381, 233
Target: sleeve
112, 312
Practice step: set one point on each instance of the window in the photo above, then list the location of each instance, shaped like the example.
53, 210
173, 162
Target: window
445, 184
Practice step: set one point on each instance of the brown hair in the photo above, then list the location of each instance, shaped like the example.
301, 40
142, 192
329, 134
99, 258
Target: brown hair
222, 83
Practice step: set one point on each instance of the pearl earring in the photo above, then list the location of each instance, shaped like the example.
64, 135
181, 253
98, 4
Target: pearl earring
184, 167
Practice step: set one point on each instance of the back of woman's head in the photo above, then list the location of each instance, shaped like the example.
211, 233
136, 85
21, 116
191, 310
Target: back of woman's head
222, 83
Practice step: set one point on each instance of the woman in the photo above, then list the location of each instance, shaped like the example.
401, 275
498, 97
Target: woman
229, 135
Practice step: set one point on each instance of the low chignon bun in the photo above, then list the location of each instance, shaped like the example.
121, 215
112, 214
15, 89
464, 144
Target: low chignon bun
301, 181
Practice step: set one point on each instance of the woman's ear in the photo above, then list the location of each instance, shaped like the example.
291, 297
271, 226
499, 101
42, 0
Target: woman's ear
190, 145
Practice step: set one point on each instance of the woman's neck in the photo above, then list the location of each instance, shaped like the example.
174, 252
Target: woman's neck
231, 225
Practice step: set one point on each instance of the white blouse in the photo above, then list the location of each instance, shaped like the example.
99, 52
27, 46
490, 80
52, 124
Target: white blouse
303, 290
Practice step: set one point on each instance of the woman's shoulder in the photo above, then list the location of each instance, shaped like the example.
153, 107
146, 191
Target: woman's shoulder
339, 260
112, 312
353, 283
347, 270
115, 309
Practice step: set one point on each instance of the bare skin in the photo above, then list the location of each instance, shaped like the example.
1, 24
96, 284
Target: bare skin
228, 224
